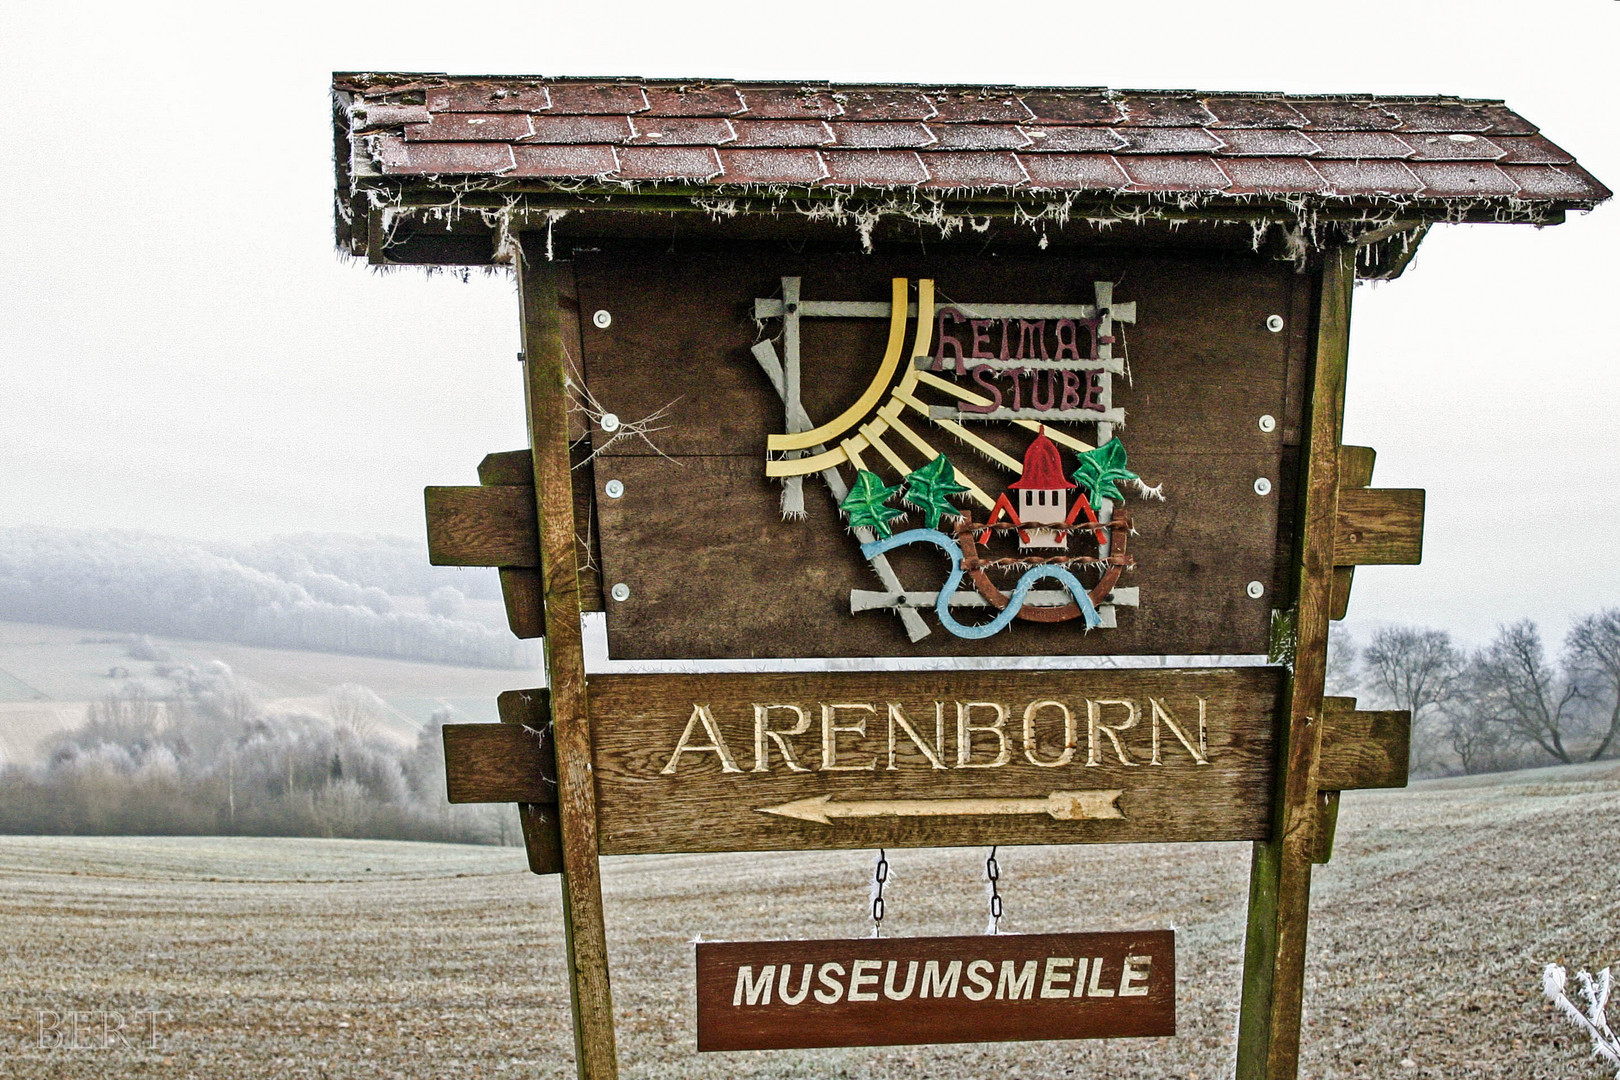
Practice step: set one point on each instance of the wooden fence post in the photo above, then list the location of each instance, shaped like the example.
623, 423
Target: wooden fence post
1280, 875
545, 387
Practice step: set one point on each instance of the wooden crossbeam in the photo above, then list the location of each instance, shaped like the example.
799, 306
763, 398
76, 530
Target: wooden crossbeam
521, 586
495, 525
481, 526
514, 761
1379, 527
1360, 749
499, 763
1363, 748
542, 822
1355, 471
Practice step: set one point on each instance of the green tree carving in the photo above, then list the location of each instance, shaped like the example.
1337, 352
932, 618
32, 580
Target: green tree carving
866, 504
1102, 469
930, 488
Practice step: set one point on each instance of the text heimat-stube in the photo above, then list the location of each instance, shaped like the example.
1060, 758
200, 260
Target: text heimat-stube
755, 995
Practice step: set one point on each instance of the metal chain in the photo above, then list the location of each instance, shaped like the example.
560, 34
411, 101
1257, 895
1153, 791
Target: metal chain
992, 874
880, 875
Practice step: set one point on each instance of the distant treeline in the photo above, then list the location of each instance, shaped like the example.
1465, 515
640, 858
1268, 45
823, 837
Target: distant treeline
1508, 705
196, 755
330, 593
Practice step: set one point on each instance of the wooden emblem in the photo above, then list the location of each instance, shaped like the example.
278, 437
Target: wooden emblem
1071, 361
772, 995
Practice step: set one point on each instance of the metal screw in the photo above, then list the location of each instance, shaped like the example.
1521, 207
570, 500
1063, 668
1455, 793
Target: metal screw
621, 592
1254, 589
604, 319
1262, 486
1274, 323
1268, 423
609, 422
614, 488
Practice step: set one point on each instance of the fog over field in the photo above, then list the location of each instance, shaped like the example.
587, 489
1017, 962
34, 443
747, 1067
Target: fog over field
358, 594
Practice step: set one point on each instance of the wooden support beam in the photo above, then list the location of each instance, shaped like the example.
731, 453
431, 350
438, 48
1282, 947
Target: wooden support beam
545, 383
1327, 824
1379, 527
1280, 875
495, 525
541, 821
1364, 748
1355, 471
499, 763
513, 468
521, 586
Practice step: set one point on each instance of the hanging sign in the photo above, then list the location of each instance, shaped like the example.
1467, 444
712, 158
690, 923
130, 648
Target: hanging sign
773, 995
822, 760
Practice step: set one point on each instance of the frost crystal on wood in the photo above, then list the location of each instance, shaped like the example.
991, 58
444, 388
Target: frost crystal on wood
1594, 992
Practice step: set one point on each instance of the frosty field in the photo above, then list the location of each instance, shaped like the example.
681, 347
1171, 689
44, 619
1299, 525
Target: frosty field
333, 958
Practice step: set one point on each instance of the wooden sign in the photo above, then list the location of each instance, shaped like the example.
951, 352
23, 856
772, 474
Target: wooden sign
1078, 390
690, 515
769, 995
796, 761
835, 455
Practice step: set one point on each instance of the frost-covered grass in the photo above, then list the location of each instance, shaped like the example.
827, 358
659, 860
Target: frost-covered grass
370, 959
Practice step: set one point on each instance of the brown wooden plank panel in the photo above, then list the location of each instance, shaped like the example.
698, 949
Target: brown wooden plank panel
481, 526
714, 571
698, 530
497, 763
658, 792
899, 991
1365, 749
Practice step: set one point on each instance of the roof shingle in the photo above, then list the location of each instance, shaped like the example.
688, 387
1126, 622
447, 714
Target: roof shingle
1424, 156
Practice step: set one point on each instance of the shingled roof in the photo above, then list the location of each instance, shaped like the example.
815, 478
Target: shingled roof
462, 145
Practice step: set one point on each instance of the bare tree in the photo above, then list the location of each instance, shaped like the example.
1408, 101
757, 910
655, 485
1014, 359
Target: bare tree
1520, 691
1478, 744
1592, 655
1418, 669
128, 713
357, 708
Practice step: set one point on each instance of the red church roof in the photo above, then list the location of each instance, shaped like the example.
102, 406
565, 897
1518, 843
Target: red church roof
1043, 467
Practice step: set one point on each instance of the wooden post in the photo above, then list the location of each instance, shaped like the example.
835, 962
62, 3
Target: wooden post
1280, 875
545, 387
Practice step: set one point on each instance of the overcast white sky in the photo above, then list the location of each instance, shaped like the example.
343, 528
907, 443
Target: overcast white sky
181, 351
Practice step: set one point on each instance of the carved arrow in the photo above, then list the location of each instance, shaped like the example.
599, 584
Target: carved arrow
1062, 805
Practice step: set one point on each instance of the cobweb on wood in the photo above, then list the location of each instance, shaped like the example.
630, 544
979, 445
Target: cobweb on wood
581, 400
